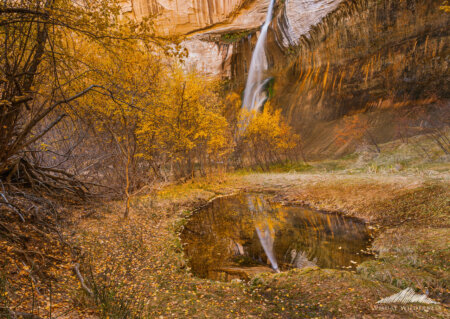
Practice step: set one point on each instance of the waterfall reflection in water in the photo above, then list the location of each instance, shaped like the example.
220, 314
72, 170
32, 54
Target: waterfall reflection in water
266, 234
237, 236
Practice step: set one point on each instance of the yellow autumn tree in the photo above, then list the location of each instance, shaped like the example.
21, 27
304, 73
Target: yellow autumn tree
156, 118
128, 80
186, 130
268, 137
44, 75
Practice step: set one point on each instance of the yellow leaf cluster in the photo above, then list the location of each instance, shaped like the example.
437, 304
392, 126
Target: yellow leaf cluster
270, 131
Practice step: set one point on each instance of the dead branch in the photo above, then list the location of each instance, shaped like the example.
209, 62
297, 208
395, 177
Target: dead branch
33, 252
54, 182
76, 269
15, 208
19, 314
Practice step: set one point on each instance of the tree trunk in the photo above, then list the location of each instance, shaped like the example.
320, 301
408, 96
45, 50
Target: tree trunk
127, 185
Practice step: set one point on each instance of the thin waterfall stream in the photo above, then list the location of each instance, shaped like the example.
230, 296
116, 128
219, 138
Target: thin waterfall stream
254, 94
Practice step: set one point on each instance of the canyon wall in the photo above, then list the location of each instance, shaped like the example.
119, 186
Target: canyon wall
183, 16
328, 58
367, 55
377, 58
225, 49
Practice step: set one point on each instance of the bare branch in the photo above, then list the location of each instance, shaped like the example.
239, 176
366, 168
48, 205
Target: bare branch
76, 268
22, 11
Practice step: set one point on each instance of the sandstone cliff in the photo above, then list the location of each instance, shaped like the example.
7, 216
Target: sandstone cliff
328, 58
374, 57
381, 58
183, 16
225, 49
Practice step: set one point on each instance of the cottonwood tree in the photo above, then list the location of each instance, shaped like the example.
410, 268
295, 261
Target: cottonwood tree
46, 73
186, 129
267, 137
132, 91
156, 119
39, 42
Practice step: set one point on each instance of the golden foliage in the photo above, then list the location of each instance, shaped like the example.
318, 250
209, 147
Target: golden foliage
154, 111
445, 7
187, 121
270, 129
268, 136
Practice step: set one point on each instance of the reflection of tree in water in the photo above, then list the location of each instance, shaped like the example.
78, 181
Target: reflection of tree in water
224, 234
216, 234
330, 240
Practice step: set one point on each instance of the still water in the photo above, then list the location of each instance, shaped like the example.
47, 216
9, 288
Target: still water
238, 236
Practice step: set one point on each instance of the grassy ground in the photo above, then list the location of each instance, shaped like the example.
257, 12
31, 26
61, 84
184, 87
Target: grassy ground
138, 269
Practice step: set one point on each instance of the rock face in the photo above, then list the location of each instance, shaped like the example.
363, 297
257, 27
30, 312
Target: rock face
299, 16
210, 58
183, 16
235, 38
334, 58
223, 32
329, 58
367, 56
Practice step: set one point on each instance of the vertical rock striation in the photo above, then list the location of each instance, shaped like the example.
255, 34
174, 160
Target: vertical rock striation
374, 57
329, 58
238, 36
183, 16
368, 54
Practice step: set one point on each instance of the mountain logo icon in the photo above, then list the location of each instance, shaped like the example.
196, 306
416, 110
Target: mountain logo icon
407, 296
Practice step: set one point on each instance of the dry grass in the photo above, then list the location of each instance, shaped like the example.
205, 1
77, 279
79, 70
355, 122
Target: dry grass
139, 267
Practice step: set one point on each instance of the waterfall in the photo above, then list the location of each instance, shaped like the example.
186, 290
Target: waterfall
254, 95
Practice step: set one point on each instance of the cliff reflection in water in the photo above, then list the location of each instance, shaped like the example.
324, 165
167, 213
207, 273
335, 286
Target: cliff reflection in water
234, 237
